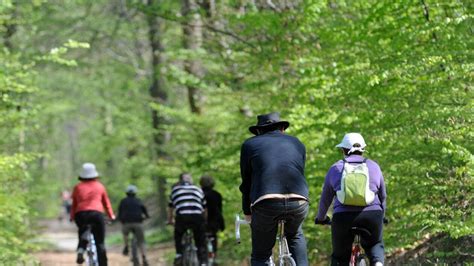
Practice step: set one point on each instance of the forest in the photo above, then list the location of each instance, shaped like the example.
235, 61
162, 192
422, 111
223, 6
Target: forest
147, 89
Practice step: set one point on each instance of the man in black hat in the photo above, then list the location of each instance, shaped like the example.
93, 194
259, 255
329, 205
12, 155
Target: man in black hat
274, 188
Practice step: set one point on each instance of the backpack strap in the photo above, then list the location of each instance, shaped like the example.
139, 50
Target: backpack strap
345, 161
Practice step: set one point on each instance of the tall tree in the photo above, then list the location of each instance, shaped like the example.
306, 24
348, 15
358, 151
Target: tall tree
192, 39
159, 96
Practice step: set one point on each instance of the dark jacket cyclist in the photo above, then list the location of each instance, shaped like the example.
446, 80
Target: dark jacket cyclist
273, 188
215, 220
131, 214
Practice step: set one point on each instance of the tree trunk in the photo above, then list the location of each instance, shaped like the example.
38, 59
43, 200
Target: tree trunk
192, 31
159, 95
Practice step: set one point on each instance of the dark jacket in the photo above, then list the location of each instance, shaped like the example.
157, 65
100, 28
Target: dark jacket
215, 220
271, 163
131, 210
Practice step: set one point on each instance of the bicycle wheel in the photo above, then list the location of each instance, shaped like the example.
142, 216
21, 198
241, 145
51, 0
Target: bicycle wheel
286, 261
210, 252
362, 260
285, 258
91, 251
134, 258
190, 256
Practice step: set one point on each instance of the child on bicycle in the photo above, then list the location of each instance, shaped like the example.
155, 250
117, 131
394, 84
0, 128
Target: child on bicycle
357, 186
131, 214
89, 199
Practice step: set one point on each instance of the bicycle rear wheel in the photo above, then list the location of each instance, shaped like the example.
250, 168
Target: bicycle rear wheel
190, 257
91, 250
288, 261
362, 260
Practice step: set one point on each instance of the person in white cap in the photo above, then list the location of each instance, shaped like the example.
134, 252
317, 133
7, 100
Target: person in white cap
89, 200
357, 187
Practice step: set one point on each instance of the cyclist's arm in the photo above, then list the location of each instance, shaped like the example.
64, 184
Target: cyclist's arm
245, 172
382, 193
170, 215
204, 206
145, 211
170, 210
327, 195
74, 205
107, 205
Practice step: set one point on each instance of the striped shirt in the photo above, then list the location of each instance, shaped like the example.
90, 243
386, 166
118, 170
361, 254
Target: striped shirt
186, 198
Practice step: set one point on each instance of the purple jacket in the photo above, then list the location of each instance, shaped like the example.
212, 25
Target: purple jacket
332, 183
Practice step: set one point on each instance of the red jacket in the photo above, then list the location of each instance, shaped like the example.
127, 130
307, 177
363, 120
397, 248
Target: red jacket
90, 195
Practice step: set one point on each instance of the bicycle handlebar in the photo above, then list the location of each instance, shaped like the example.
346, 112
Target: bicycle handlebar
326, 221
238, 222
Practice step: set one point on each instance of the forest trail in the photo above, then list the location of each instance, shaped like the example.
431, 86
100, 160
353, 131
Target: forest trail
62, 236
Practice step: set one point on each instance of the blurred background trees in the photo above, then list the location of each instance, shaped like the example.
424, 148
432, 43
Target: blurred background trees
148, 89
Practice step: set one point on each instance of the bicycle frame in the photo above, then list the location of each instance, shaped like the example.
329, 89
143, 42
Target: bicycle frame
284, 254
356, 250
91, 248
189, 250
211, 255
283, 249
357, 254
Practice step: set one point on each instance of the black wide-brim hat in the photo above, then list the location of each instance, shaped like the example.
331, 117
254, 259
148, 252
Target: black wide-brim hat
267, 120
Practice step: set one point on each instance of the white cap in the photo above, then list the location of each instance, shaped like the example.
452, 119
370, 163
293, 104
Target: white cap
349, 140
88, 171
131, 189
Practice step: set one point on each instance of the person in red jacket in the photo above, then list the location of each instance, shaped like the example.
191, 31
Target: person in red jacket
89, 200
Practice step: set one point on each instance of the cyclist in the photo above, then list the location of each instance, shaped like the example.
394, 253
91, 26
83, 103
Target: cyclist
347, 215
215, 220
131, 213
188, 208
89, 199
274, 188
66, 203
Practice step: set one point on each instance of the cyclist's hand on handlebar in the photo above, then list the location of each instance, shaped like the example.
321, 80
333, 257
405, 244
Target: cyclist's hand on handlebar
385, 220
248, 218
326, 220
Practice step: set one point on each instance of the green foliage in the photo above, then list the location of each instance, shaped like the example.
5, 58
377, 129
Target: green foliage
398, 72
14, 198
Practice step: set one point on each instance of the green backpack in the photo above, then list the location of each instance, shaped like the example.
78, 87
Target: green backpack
355, 189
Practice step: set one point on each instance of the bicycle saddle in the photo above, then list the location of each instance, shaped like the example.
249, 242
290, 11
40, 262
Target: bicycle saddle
360, 231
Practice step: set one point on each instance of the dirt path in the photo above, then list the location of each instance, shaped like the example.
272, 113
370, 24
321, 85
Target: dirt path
62, 237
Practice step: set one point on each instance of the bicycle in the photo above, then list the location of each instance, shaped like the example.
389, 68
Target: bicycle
284, 255
358, 256
92, 258
189, 257
211, 254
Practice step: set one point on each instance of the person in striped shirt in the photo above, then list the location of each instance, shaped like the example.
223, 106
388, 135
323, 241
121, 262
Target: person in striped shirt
188, 210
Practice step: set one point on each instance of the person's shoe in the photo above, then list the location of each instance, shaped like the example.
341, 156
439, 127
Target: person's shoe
178, 260
80, 258
125, 251
378, 263
145, 262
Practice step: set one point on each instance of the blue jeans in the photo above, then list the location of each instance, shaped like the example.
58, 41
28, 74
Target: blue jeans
265, 217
